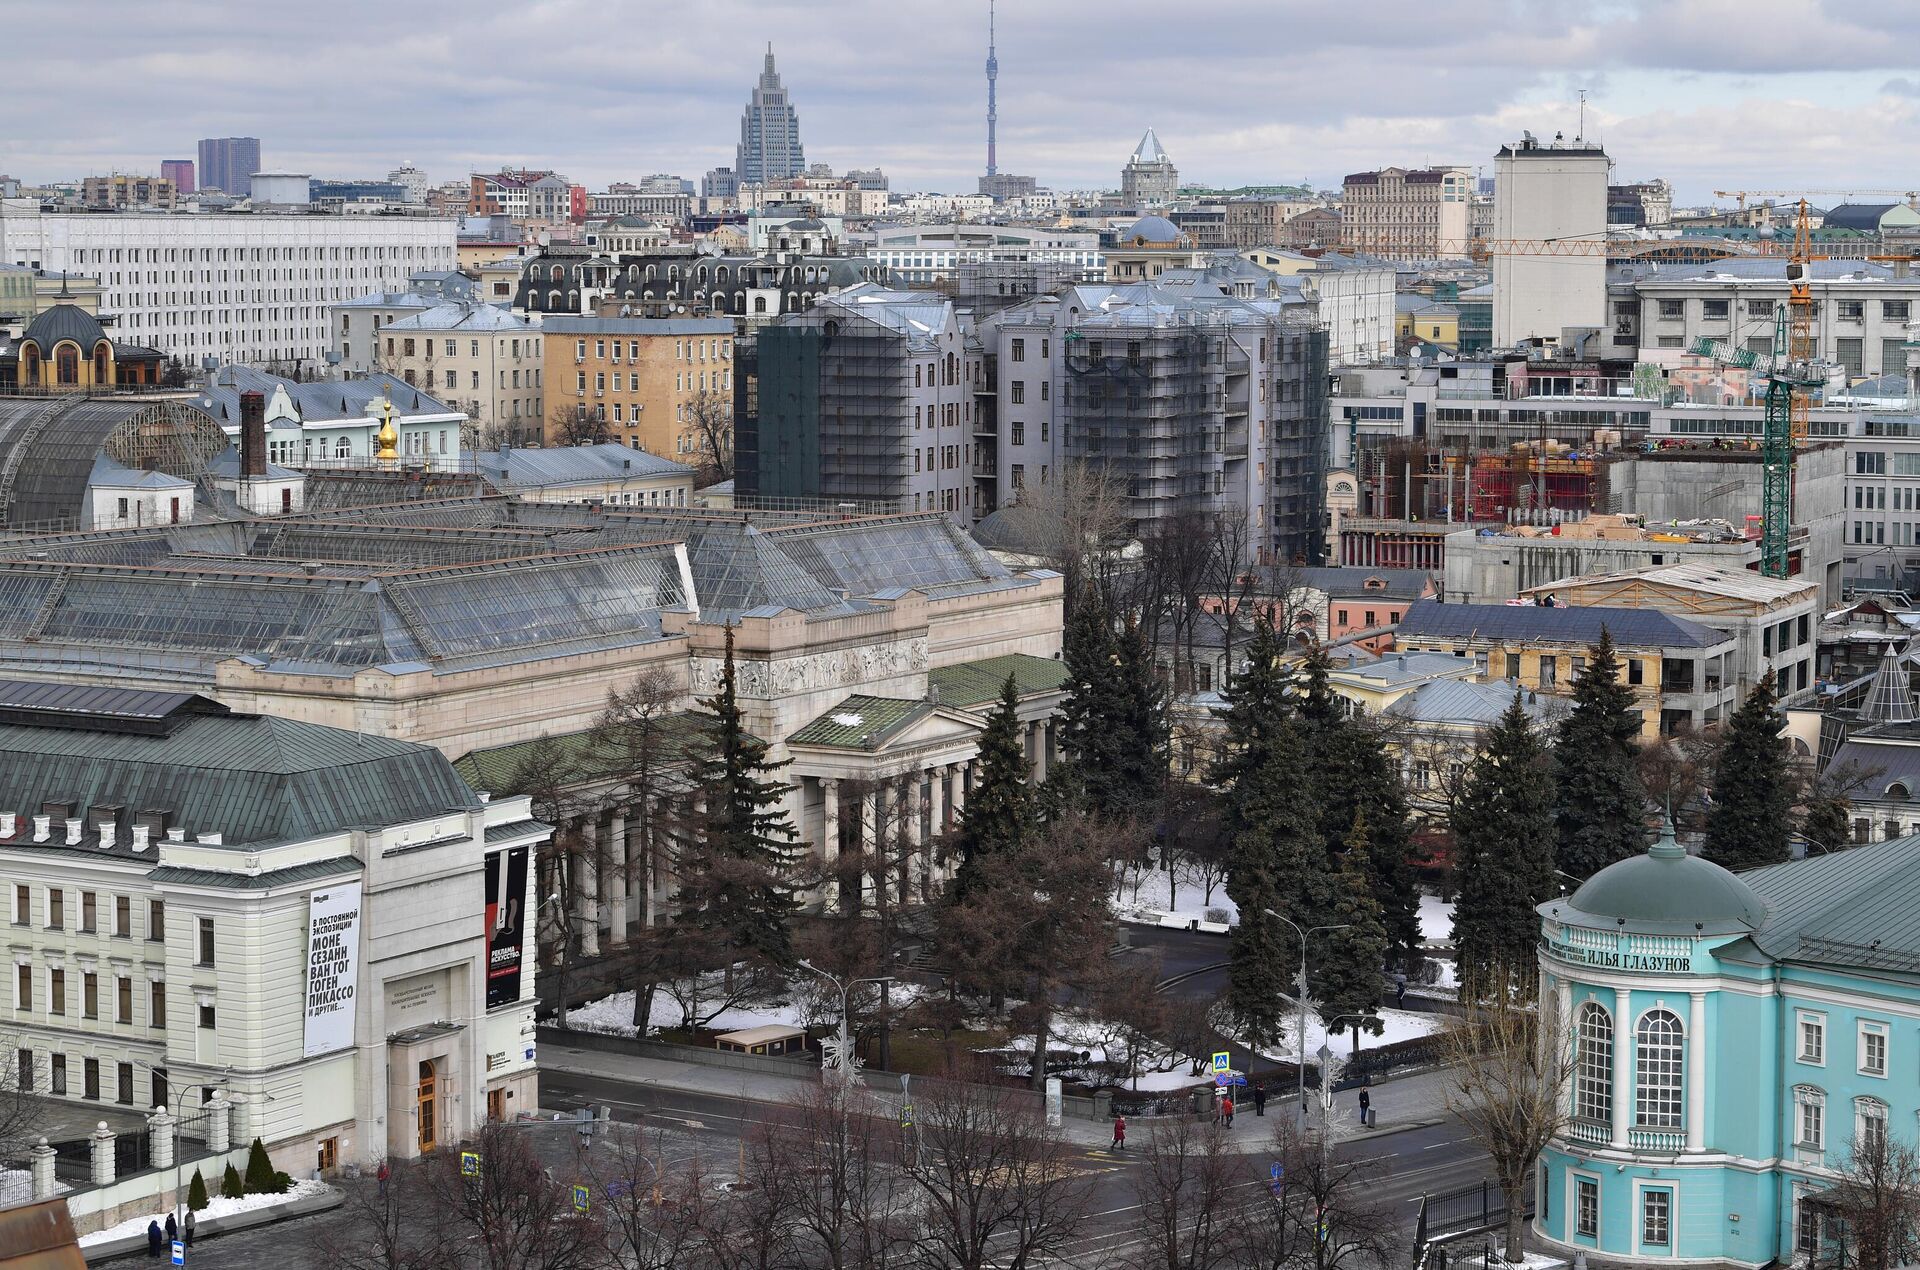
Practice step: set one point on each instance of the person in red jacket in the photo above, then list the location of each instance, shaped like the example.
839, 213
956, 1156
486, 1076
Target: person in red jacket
1119, 1133
1226, 1109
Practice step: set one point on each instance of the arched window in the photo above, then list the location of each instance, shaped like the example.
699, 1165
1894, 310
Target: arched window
1593, 1064
759, 304
1659, 1060
66, 364
1898, 790
101, 376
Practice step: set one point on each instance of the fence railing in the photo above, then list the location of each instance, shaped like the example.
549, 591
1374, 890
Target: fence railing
1456, 1218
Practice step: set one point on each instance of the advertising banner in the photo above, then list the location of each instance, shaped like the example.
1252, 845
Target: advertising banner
333, 966
506, 919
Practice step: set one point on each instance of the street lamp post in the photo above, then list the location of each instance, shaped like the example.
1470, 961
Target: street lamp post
1311, 930
843, 1058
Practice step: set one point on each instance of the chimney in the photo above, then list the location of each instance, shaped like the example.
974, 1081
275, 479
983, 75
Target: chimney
176, 834
74, 825
9, 823
253, 435
42, 828
140, 836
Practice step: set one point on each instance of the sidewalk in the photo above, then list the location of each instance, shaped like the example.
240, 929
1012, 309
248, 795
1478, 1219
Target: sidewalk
1410, 1102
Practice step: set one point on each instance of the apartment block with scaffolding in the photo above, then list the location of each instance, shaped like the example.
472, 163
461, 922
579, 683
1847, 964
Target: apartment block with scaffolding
871, 394
1193, 403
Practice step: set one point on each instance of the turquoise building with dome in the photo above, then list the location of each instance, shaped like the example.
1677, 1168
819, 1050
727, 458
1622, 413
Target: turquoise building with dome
1733, 1036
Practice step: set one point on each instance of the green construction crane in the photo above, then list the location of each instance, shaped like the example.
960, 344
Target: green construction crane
1785, 376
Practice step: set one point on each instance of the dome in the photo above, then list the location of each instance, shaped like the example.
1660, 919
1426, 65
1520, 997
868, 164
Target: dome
1664, 890
1153, 229
65, 322
1017, 528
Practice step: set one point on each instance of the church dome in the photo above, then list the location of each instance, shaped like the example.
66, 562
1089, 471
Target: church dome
65, 322
1153, 231
1665, 890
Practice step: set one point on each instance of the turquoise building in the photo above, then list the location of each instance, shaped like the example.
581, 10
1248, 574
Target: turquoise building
1733, 1037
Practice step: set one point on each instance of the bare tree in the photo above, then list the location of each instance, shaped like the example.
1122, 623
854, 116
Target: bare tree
386, 1226
650, 1216
852, 1209
1508, 1077
1191, 1191
1081, 524
21, 1113
748, 1222
575, 423
510, 1214
710, 418
550, 773
1325, 1214
1874, 1207
994, 1180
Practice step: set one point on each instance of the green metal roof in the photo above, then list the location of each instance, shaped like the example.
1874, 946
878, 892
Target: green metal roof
292, 875
1665, 890
861, 722
250, 778
1858, 907
979, 682
502, 769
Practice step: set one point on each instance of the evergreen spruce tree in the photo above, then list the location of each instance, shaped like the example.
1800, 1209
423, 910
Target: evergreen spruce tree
1752, 789
1356, 781
1347, 978
1320, 710
999, 812
1258, 705
1140, 733
1087, 648
739, 836
259, 1179
1276, 862
1825, 819
1503, 839
230, 1184
197, 1193
1600, 807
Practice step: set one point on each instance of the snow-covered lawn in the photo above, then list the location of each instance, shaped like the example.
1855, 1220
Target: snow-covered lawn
1077, 1032
217, 1206
1436, 920
1400, 1025
1149, 895
613, 1015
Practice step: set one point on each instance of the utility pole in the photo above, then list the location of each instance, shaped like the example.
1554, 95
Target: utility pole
1302, 992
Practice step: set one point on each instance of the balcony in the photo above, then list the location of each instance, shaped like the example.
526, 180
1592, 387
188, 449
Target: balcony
1666, 1141
1591, 1132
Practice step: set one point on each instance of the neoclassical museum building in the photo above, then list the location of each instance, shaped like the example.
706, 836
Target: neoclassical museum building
1734, 1036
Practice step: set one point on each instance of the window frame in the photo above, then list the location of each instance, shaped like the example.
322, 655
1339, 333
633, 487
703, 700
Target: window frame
1659, 1071
1583, 1220
1593, 1090
1648, 1197
1809, 1108
1802, 1020
1872, 1028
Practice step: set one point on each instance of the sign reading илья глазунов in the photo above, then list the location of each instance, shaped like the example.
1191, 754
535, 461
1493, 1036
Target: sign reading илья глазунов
333, 962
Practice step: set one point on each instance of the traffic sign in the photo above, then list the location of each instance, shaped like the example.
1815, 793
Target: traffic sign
1275, 1172
906, 1116
469, 1164
581, 1199
1222, 1061
179, 1253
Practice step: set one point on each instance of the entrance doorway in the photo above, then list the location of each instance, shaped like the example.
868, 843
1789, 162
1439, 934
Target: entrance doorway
496, 1105
424, 1105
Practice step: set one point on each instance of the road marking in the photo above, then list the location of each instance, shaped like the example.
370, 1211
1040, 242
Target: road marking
1439, 1146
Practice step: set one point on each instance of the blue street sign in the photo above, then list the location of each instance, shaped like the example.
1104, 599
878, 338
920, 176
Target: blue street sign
581, 1199
469, 1164
179, 1253
1275, 1172
1222, 1061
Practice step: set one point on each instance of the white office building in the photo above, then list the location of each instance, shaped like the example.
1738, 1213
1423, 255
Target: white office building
247, 287
1555, 190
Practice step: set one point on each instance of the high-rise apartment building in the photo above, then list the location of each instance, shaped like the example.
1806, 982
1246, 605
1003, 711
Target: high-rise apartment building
247, 288
227, 164
1556, 190
1149, 179
1406, 214
655, 384
180, 172
769, 147
121, 191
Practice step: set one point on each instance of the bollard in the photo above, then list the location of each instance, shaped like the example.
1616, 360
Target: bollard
101, 1141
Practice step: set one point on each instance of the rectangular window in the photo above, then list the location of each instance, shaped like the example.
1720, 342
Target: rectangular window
1018, 351
59, 1074
1019, 390
23, 988
90, 994
1806, 1227
123, 915
1813, 1038
1017, 433
125, 1082
206, 942
89, 910
1713, 310
56, 908
22, 904
25, 1060
1894, 310
206, 1016
1549, 672
1636, 672
90, 1074
1873, 1049
156, 919
1513, 659
1870, 1127
56, 992
1850, 310
122, 999
1586, 1207
1656, 1217
157, 1004
1813, 1120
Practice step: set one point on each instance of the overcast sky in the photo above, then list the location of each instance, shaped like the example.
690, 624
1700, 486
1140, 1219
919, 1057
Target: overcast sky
1712, 94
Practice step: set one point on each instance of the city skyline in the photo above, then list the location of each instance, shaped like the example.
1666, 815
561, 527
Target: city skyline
884, 86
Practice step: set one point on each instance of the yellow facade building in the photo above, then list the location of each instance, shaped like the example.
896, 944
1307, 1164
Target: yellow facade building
649, 381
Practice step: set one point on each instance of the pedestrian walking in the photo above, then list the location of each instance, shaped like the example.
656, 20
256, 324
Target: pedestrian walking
1399, 988
1260, 1098
186, 1228
173, 1229
1119, 1133
1365, 1102
381, 1176
154, 1238
1226, 1109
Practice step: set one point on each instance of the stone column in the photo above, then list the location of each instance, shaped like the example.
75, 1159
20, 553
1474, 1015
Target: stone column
915, 839
40, 1166
1037, 745
219, 1123
101, 1143
617, 866
242, 1120
1696, 1071
869, 839
1622, 1066
830, 838
586, 888
160, 1138
960, 771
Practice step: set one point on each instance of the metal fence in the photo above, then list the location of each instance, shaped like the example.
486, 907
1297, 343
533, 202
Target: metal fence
1450, 1225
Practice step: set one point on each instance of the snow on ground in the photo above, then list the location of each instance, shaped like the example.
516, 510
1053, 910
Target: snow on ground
1080, 1033
217, 1206
1401, 1025
613, 1015
1151, 890
1436, 920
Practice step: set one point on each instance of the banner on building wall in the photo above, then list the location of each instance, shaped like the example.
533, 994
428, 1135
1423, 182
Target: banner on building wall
333, 966
506, 918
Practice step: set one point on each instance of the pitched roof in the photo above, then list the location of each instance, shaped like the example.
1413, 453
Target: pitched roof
1739, 584
501, 769
1633, 628
572, 464
1353, 581
979, 682
862, 722
1470, 704
1857, 907
1149, 151
323, 401
461, 316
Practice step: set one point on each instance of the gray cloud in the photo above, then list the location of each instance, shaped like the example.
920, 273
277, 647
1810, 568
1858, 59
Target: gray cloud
1239, 90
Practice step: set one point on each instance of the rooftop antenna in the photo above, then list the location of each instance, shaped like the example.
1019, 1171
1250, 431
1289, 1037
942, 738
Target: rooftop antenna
1582, 134
993, 73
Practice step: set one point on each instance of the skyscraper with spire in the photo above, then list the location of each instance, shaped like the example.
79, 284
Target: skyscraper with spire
769, 147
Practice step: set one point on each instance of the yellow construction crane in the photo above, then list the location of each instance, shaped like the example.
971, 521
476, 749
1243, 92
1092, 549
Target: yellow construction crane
1741, 196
